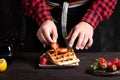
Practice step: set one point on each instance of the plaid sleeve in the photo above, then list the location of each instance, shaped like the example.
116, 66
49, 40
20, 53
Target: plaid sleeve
37, 9
99, 11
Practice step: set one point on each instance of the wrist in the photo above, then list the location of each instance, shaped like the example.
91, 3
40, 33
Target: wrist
88, 24
48, 21
51, 19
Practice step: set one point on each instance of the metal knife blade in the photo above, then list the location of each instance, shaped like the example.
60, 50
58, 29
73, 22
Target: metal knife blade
64, 22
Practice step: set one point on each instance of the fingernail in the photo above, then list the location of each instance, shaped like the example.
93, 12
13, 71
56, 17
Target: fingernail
55, 41
77, 48
86, 47
70, 45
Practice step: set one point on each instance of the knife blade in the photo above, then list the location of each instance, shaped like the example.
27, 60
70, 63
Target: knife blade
64, 23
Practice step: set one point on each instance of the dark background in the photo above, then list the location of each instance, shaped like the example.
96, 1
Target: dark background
13, 28
110, 31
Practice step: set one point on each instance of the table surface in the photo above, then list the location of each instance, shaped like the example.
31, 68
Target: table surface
25, 66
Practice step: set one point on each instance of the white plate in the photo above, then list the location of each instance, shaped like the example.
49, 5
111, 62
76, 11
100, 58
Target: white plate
56, 66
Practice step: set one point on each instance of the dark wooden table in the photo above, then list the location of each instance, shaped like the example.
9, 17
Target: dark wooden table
25, 67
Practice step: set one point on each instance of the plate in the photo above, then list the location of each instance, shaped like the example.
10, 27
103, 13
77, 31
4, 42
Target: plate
57, 66
51, 65
103, 72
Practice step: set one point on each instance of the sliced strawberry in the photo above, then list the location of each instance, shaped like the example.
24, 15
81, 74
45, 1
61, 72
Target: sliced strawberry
63, 50
55, 46
43, 60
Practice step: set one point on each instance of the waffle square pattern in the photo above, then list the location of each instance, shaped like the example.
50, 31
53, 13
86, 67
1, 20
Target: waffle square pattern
68, 58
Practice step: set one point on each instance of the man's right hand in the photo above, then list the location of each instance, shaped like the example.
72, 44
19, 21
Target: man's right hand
47, 33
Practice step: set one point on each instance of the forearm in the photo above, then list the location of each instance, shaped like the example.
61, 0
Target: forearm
99, 11
37, 9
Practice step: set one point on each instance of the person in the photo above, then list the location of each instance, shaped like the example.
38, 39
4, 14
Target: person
82, 21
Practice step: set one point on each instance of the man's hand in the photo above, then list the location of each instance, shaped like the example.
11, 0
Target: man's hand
84, 32
47, 33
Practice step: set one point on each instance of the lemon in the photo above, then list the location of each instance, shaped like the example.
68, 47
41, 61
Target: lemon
3, 65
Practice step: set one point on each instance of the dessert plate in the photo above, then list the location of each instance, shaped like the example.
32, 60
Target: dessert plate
51, 65
103, 72
57, 66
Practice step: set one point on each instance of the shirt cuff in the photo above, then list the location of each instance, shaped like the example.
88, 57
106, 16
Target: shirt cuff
92, 18
42, 17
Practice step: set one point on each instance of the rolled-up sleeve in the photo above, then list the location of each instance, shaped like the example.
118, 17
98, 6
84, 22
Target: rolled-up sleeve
37, 9
99, 11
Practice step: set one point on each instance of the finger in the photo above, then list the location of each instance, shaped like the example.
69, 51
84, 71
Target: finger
54, 36
69, 35
90, 42
42, 39
85, 40
39, 37
80, 40
72, 38
47, 37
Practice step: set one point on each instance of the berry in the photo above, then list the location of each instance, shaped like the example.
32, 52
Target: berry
63, 50
43, 60
112, 67
118, 65
103, 65
115, 60
55, 46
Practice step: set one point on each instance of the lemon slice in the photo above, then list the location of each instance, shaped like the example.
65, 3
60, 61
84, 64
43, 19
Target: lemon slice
3, 65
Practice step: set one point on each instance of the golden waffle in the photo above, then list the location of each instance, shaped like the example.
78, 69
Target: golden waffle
62, 59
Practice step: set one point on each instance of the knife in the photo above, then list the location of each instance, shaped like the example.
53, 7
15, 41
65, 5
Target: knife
64, 23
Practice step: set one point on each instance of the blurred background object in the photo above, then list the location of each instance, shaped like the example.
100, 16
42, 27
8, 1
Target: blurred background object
11, 23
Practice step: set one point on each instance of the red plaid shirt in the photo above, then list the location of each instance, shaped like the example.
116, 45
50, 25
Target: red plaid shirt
99, 11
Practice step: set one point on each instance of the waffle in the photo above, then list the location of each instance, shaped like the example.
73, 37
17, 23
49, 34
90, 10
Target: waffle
62, 59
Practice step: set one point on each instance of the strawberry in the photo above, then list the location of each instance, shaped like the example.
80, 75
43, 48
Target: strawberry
109, 63
115, 60
101, 59
118, 64
112, 67
43, 60
103, 65
55, 46
63, 50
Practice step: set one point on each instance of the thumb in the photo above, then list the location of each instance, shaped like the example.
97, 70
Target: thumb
69, 35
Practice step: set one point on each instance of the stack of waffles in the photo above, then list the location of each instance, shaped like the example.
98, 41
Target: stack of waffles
68, 58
